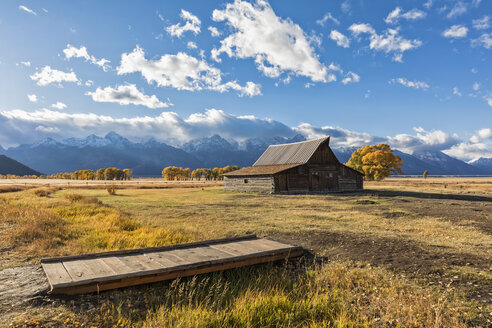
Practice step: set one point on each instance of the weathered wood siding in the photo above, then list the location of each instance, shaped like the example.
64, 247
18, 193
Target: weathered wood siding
263, 184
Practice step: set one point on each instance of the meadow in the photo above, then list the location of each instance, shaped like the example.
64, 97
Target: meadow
405, 252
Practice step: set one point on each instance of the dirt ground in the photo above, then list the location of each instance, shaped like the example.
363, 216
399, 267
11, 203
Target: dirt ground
465, 204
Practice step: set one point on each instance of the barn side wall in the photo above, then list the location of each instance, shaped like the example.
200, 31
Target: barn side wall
263, 184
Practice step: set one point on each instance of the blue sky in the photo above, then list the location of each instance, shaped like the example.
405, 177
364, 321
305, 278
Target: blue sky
415, 74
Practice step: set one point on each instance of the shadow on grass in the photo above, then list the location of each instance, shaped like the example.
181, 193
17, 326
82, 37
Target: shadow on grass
427, 195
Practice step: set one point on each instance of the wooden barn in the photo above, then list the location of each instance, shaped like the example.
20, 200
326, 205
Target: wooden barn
308, 166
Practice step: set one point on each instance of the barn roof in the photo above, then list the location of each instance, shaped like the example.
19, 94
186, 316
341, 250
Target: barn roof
260, 170
292, 153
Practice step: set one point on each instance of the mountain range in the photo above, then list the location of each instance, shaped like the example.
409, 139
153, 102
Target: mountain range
148, 158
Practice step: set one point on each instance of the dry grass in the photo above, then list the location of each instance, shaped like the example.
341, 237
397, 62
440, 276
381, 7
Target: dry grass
415, 256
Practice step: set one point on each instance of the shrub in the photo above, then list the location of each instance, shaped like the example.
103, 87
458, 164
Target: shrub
45, 192
111, 190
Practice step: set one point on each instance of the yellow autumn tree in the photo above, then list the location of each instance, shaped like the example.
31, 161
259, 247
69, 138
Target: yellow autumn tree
375, 161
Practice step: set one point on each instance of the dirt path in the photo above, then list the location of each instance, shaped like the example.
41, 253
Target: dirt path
20, 285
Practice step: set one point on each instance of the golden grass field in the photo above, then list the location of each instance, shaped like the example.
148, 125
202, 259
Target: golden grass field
406, 252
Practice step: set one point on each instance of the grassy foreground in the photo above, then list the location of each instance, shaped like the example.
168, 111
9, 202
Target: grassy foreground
396, 255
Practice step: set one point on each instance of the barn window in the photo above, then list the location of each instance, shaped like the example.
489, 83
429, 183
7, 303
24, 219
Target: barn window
331, 175
245, 180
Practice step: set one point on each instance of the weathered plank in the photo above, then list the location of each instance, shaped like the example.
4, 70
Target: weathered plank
96, 272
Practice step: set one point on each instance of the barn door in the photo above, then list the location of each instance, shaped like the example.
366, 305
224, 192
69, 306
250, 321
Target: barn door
282, 182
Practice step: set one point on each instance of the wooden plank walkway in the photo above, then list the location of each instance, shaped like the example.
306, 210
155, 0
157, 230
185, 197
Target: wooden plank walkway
109, 270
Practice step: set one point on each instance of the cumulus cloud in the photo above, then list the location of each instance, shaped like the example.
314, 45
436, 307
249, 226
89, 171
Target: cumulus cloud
459, 9
480, 135
32, 98
74, 52
468, 150
455, 31
339, 137
423, 140
277, 45
479, 145
214, 31
27, 10
59, 105
126, 95
485, 40
191, 45
326, 17
456, 91
394, 16
389, 41
182, 72
351, 77
47, 75
410, 84
20, 126
481, 23
476, 86
340, 39
24, 63
192, 23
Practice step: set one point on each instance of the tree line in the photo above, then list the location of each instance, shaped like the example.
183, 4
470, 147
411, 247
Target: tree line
174, 173
110, 173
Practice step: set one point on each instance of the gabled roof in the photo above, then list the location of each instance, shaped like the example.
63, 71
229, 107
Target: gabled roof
260, 170
292, 153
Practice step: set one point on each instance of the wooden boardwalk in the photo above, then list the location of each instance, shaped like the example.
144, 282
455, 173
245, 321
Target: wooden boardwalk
102, 271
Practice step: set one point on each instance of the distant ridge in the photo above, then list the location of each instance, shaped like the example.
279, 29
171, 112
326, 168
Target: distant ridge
148, 158
11, 166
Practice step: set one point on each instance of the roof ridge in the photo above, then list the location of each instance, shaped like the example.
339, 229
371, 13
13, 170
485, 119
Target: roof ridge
299, 142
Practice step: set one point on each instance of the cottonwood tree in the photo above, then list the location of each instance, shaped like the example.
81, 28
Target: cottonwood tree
377, 162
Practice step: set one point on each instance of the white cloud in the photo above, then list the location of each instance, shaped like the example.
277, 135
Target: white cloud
423, 140
277, 45
485, 40
459, 9
48, 75
489, 100
214, 31
326, 17
428, 4
191, 45
89, 83
456, 92
340, 39
482, 134
24, 63
73, 52
410, 84
345, 7
351, 77
455, 31
24, 8
476, 86
126, 95
394, 16
339, 137
482, 23
367, 94
388, 42
59, 105
478, 146
32, 98
192, 24
20, 126
182, 72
